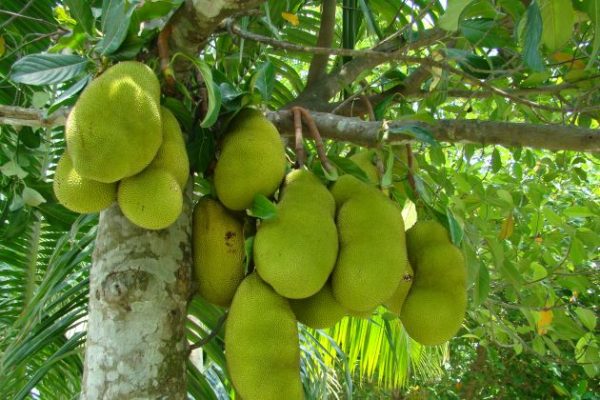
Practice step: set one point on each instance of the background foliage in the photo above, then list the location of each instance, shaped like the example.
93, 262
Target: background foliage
527, 220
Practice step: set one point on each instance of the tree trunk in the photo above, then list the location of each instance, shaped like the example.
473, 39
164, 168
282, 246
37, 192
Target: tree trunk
139, 288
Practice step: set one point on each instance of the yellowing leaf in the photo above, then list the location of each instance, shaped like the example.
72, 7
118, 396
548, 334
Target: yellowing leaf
538, 239
565, 58
507, 229
544, 321
291, 18
558, 18
2, 46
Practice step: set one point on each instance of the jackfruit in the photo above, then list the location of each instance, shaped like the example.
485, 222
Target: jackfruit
372, 256
115, 129
252, 161
261, 344
80, 194
394, 303
422, 235
320, 310
296, 251
172, 155
345, 187
218, 251
365, 160
436, 303
151, 199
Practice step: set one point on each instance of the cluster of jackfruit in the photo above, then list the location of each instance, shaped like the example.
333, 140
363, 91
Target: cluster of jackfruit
123, 146
326, 254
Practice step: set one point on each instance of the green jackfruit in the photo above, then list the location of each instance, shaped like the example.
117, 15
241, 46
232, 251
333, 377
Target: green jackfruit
80, 194
218, 249
345, 187
172, 155
372, 256
296, 251
436, 303
261, 344
422, 235
365, 160
320, 310
394, 303
252, 161
115, 130
151, 199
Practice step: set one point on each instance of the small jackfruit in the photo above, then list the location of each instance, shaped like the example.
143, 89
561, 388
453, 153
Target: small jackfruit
261, 344
365, 160
320, 310
296, 251
172, 155
394, 303
115, 129
252, 161
436, 303
151, 199
345, 187
80, 194
218, 251
372, 256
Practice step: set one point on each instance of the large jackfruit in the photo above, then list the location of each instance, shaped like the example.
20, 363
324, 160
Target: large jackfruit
372, 256
261, 344
435, 306
296, 251
115, 129
218, 251
320, 310
80, 194
151, 199
172, 155
252, 161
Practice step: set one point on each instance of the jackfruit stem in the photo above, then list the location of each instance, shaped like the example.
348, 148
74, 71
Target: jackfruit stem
162, 43
300, 154
314, 131
205, 340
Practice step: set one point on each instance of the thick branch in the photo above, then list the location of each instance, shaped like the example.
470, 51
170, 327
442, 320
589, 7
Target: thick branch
318, 65
551, 137
196, 20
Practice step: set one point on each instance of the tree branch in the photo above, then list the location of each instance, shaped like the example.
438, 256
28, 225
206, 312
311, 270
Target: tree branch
196, 20
551, 137
318, 65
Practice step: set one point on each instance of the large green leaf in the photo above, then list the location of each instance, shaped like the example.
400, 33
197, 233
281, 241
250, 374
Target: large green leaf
45, 69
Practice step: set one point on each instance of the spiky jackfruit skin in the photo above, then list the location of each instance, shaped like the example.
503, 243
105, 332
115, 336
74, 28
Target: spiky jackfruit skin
218, 251
151, 199
261, 344
252, 161
115, 129
80, 194
436, 303
296, 251
395, 303
320, 310
172, 155
365, 160
345, 187
422, 235
372, 256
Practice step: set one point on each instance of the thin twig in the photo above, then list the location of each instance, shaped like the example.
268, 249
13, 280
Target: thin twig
300, 154
314, 131
212, 333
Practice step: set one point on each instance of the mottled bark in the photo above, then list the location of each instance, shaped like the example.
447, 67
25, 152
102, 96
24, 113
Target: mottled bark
139, 288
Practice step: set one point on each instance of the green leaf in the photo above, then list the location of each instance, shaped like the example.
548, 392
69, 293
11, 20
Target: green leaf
484, 32
593, 11
532, 38
264, 80
81, 11
46, 69
370, 18
449, 21
482, 285
496, 161
11, 168
558, 18
587, 317
116, 17
32, 197
347, 166
154, 9
262, 208
578, 212
415, 131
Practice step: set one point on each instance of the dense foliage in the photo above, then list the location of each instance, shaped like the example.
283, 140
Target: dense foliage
527, 220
